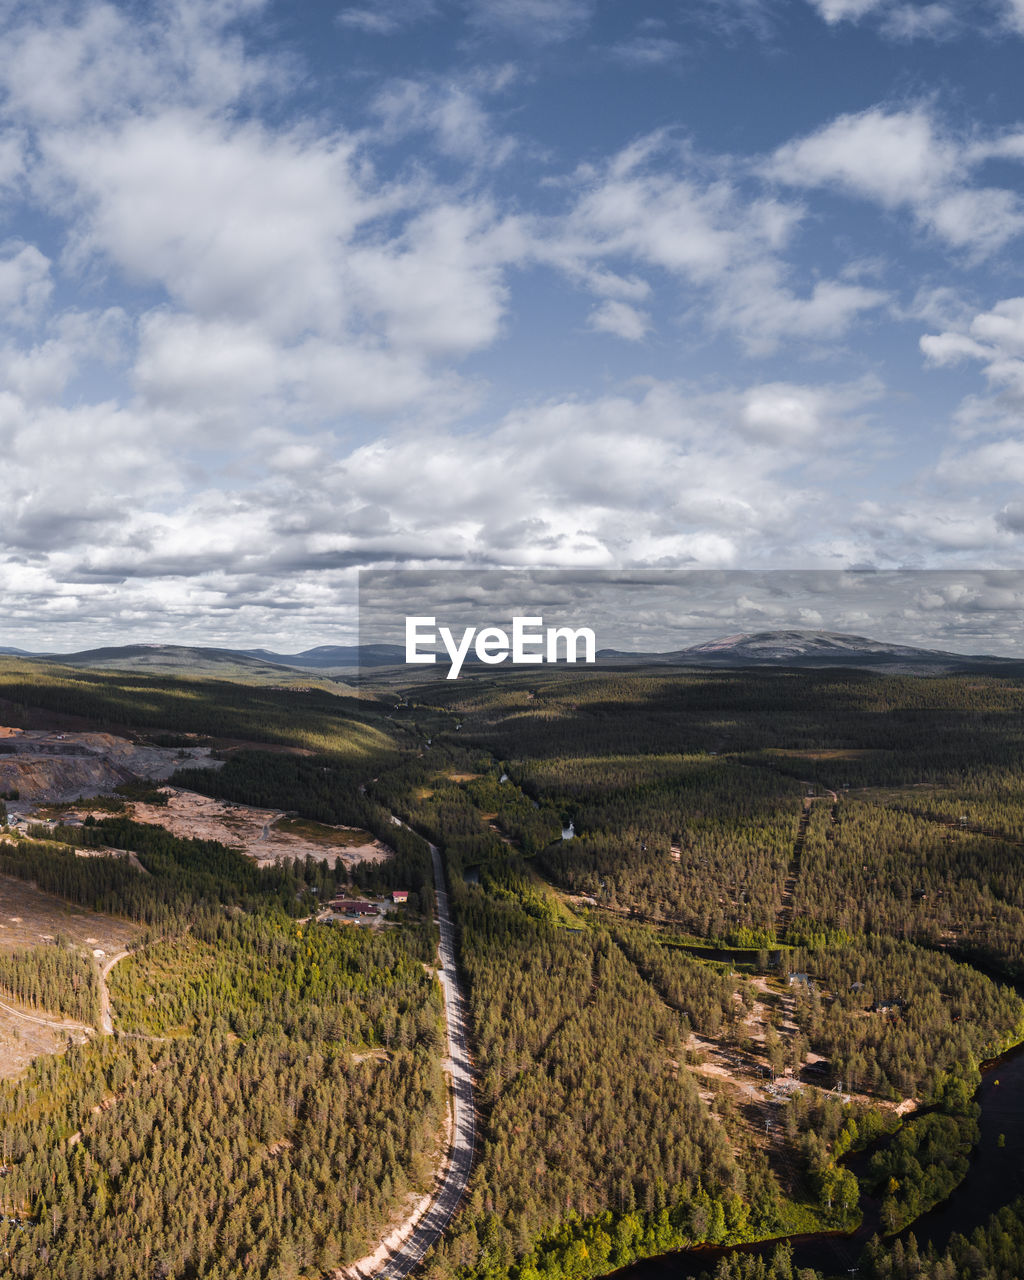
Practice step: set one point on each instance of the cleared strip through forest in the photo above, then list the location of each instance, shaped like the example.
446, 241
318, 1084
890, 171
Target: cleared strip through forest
785, 917
430, 1227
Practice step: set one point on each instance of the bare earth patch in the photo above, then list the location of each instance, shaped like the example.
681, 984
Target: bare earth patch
22, 1040
44, 765
29, 918
747, 1072
264, 834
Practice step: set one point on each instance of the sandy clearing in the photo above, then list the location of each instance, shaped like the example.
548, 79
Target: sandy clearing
22, 1041
257, 832
28, 916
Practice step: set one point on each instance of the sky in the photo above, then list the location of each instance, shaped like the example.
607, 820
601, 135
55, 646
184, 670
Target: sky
663, 610
287, 291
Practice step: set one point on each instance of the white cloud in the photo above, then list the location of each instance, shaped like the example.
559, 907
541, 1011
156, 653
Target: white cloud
439, 287
275, 240
892, 157
662, 476
620, 319
539, 21
230, 221
783, 413
72, 341
387, 16
643, 206
759, 305
648, 51
904, 159
996, 339
25, 283
846, 10
450, 110
60, 66
900, 20
221, 372
653, 204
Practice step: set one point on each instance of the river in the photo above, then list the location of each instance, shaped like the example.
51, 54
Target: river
996, 1177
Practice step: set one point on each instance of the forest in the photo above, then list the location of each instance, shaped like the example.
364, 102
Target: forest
752, 985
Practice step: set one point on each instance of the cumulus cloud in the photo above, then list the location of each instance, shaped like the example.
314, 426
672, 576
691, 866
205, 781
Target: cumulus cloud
25, 283
784, 413
907, 159
620, 319
66, 63
666, 476
452, 111
658, 206
40, 370
252, 339
996, 339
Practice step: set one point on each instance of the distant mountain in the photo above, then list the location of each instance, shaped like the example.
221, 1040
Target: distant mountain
336, 655
325, 663
7, 651
808, 649
183, 660
317, 664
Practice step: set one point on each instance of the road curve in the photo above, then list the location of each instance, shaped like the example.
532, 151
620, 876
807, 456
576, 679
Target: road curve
431, 1226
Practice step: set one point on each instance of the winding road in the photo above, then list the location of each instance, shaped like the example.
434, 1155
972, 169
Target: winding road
431, 1225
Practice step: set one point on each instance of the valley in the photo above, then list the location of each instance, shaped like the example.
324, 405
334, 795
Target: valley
747, 999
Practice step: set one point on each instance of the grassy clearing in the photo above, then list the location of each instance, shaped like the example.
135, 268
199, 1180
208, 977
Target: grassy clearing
321, 834
566, 915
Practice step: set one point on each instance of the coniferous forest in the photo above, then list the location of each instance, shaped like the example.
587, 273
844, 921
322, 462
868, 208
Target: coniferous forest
736, 948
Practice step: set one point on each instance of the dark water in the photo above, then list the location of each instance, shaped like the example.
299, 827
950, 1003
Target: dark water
996, 1177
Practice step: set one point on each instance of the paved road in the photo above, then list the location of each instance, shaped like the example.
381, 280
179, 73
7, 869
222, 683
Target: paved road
460, 1156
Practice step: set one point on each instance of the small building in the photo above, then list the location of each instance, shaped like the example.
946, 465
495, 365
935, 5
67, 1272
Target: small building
352, 907
399, 895
800, 980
